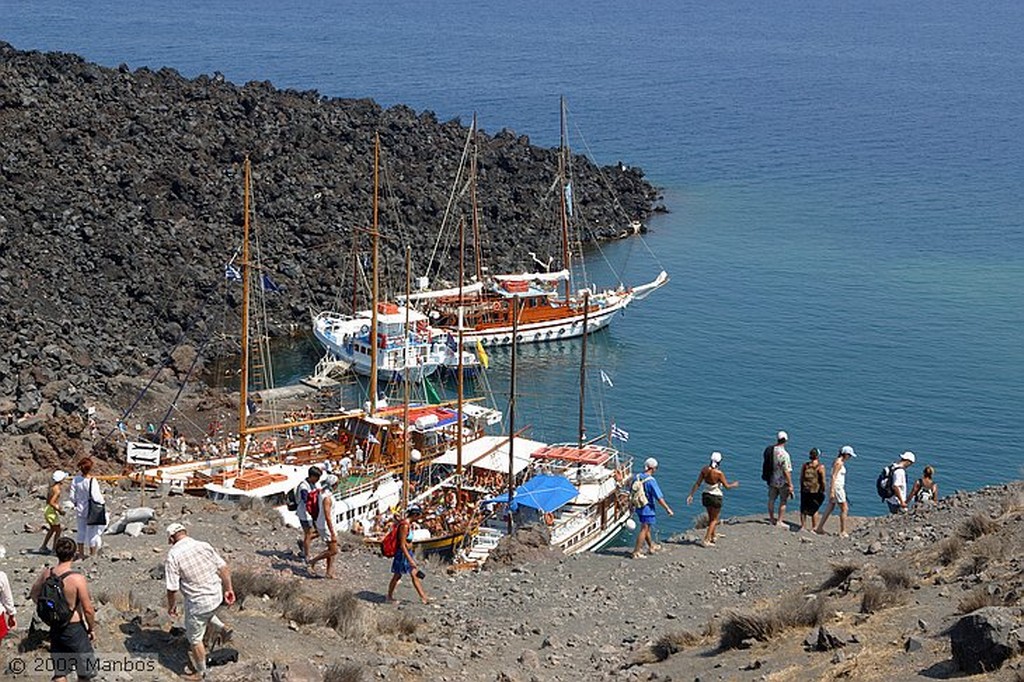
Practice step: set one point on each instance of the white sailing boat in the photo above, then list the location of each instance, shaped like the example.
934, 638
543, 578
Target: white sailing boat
548, 308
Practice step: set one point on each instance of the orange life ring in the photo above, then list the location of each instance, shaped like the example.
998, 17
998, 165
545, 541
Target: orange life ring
549, 519
267, 446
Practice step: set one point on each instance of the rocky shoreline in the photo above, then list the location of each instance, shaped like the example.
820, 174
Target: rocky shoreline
926, 595
121, 200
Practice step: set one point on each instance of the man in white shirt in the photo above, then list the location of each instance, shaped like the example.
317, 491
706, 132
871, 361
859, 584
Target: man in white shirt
204, 579
780, 485
898, 502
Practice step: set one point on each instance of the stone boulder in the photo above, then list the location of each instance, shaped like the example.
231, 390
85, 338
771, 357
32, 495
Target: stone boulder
984, 639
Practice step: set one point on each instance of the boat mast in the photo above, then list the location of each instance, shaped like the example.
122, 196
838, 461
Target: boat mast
512, 409
243, 400
373, 340
405, 382
583, 365
563, 170
458, 437
477, 249
355, 272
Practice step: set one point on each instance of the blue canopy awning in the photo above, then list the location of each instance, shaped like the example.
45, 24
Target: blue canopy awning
543, 492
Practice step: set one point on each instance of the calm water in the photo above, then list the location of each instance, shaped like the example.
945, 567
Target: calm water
845, 242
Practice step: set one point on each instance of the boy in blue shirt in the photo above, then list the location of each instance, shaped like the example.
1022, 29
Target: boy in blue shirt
646, 513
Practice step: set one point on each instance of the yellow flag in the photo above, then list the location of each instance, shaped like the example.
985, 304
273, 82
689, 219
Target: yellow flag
482, 354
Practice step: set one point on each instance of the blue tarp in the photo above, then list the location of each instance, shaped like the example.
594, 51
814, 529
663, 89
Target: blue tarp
542, 492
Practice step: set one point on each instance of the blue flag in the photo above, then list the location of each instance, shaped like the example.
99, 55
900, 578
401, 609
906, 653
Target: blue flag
231, 273
269, 284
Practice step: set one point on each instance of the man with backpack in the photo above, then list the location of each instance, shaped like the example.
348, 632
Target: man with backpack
308, 523
897, 483
204, 579
645, 492
62, 600
780, 479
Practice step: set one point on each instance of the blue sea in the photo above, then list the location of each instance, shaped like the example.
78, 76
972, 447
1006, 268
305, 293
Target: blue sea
846, 235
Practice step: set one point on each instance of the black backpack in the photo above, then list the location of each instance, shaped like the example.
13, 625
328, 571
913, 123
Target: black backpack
768, 464
51, 604
291, 500
883, 484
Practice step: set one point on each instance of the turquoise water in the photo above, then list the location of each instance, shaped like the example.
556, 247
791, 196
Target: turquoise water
845, 236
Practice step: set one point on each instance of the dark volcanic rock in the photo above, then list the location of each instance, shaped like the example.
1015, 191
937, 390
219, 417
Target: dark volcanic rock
121, 203
983, 640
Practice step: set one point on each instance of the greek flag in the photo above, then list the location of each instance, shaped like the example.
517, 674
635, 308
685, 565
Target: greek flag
620, 434
231, 273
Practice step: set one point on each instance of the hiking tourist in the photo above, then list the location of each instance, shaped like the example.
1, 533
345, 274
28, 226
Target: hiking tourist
925, 489
325, 526
812, 489
714, 478
647, 513
308, 524
62, 601
404, 562
83, 489
7, 610
898, 480
780, 483
52, 511
204, 579
837, 491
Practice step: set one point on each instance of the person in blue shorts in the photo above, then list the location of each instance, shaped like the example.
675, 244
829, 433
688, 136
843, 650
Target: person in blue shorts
647, 514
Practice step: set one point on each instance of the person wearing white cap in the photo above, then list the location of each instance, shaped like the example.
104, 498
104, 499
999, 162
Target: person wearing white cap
837, 491
780, 482
52, 511
898, 481
646, 512
204, 579
713, 477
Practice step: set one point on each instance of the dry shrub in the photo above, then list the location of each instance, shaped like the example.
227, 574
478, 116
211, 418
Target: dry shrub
403, 624
840, 575
257, 584
795, 610
701, 522
305, 612
344, 672
977, 525
876, 597
343, 612
949, 550
984, 552
896, 577
1012, 504
979, 598
737, 627
673, 643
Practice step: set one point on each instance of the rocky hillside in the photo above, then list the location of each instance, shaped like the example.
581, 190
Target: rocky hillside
121, 200
934, 594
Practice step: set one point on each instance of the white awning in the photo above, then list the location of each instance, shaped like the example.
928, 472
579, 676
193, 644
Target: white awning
496, 457
438, 293
559, 276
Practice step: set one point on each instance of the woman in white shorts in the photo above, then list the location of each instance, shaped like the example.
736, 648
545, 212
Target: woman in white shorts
837, 495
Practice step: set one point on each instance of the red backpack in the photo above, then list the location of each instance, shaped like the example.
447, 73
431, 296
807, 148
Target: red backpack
313, 503
389, 545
